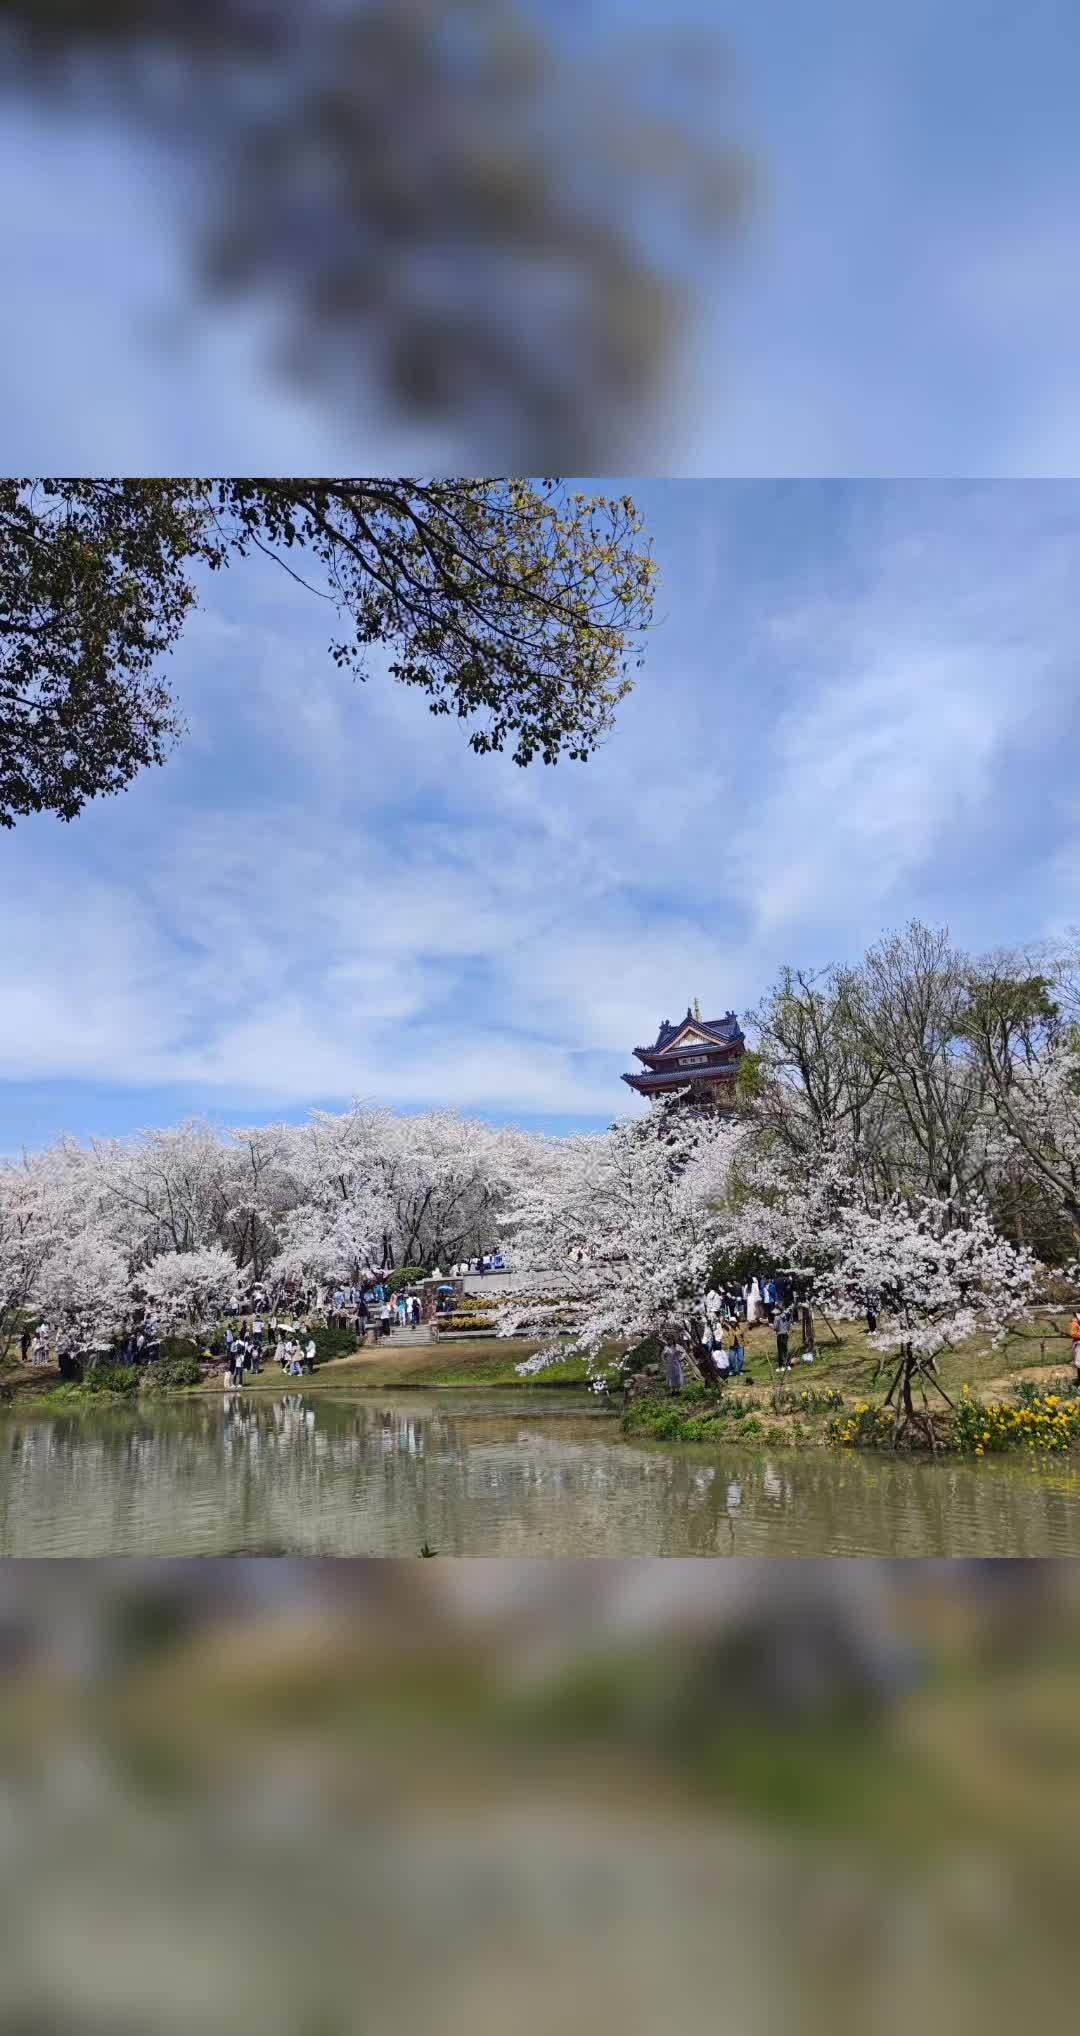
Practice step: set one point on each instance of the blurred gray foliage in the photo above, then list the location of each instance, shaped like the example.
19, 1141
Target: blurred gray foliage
499, 227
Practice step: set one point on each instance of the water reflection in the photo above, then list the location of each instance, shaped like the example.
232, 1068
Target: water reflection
546, 1475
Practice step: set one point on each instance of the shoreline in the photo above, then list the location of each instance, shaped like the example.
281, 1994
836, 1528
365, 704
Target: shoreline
416, 1368
834, 1404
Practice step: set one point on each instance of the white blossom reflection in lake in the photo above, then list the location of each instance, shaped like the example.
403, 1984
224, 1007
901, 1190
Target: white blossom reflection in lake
548, 1474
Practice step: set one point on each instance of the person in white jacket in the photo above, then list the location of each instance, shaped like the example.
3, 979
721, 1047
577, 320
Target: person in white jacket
755, 1306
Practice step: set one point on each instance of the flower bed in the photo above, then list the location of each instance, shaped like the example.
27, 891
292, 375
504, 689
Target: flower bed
1040, 1422
863, 1427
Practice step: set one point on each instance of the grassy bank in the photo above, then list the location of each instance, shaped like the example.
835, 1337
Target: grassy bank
815, 1405
424, 1366
416, 1367
1004, 1398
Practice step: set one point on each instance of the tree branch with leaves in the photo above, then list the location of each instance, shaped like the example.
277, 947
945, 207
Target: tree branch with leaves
520, 607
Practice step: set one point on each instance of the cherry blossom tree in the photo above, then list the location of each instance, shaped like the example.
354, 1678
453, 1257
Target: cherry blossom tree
938, 1274
1037, 1100
627, 1224
323, 1246
325, 1200
260, 1187
933, 1271
620, 1235
34, 1217
425, 1189
190, 1286
84, 1289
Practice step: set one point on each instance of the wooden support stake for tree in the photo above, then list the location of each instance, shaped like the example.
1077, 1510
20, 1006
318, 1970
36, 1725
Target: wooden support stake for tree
896, 1381
910, 1368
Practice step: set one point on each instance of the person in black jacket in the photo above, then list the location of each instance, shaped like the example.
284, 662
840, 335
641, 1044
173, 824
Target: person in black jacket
782, 1330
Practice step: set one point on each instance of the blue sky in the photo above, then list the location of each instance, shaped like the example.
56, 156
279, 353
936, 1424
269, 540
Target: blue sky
906, 300
859, 704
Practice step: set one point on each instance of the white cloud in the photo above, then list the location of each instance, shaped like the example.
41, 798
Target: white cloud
865, 780
343, 899
917, 704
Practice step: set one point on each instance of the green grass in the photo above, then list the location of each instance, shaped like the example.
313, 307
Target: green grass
340, 1364
744, 1411
1035, 1350
455, 1364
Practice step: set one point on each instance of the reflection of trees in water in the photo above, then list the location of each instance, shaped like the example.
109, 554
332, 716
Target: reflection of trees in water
299, 1470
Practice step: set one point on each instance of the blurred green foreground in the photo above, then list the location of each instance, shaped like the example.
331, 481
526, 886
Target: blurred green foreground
310, 1797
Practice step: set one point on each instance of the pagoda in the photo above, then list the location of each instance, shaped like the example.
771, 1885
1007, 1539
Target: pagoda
699, 1054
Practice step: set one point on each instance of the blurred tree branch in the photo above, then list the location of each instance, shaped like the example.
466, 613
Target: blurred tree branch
448, 208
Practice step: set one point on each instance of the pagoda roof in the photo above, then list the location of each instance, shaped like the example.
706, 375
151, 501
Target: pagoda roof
715, 1032
680, 1078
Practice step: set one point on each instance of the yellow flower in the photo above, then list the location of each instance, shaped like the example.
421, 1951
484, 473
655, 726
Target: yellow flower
979, 1451
986, 1434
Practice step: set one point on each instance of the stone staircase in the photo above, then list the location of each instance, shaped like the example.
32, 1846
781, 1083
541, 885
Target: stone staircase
399, 1337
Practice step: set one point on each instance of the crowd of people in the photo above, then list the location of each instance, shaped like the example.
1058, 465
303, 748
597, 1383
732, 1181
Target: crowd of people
255, 1326
245, 1348
372, 1310
720, 1354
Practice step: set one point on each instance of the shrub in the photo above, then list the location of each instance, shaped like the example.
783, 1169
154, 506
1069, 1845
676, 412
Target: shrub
667, 1423
693, 1417
733, 1402
642, 1354
865, 1428
101, 1379
406, 1276
169, 1374
331, 1343
179, 1349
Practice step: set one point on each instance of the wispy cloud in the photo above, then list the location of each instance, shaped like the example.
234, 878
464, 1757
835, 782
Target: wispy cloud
859, 706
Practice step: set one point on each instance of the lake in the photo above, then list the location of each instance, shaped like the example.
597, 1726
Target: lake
534, 1473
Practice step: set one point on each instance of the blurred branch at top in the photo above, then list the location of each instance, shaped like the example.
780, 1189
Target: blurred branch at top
494, 227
